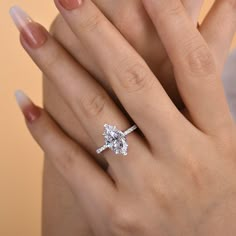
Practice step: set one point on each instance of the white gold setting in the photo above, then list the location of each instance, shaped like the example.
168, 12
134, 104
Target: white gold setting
116, 139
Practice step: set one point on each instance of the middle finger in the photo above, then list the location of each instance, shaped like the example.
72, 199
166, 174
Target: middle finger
129, 76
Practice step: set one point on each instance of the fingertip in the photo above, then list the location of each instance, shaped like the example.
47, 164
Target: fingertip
19, 17
30, 111
32, 33
22, 99
68, 4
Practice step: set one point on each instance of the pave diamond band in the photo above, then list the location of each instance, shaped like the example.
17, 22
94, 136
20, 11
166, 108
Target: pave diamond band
116, 139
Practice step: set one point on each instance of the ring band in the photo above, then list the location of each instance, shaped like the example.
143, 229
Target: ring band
116, 139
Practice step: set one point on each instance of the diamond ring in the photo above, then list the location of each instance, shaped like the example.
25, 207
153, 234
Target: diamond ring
115, 139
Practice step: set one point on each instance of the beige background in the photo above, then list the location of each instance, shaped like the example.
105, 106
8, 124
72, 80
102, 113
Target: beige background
20, 158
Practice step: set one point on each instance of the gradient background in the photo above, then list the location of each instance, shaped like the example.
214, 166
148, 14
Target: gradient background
20, 158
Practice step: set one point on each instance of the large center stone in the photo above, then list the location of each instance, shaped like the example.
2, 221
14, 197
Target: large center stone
115, 139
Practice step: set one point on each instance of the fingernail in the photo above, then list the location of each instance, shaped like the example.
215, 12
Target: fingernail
30, 111
32, 33
70, 4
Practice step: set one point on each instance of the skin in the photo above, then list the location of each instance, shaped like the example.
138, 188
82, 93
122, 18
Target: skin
59, 211
57, 197
207, 140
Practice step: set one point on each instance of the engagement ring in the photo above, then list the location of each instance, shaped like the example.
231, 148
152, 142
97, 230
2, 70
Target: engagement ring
116, 139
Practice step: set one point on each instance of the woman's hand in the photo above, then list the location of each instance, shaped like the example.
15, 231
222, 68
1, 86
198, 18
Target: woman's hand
183, 185
133, 22
143, 37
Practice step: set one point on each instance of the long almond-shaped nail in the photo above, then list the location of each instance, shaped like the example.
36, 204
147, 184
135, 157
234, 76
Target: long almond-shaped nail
32, 33
70, 4
30, 111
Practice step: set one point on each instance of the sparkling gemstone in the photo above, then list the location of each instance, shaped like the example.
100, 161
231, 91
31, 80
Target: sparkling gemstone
115, 139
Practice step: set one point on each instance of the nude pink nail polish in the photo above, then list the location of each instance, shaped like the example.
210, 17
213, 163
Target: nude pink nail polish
31, 32
70, 4
30, 111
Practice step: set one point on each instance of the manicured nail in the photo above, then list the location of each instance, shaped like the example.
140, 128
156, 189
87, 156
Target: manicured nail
30, 111
70, 4
32, 33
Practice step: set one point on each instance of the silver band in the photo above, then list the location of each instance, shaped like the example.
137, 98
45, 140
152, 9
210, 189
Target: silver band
102, 149
116, 139
130, 130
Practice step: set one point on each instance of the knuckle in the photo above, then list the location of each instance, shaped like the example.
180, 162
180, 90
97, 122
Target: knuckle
201, 62
91, 22
134, 77
93, 105
123, 220
195, 171
158, 191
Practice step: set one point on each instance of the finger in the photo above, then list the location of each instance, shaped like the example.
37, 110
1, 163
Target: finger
193, 63
86, 98
193, 8
92, 186
55, 105
129, 76
134, 8
218, 29
142, 37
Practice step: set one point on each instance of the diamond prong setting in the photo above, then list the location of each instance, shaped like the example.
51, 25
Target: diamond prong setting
115, 139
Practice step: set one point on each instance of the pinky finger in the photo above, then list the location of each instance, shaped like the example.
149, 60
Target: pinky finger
87, 180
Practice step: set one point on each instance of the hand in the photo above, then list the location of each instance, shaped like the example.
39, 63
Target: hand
60, 214
144, 39
133, 22
147, 42
183, 186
